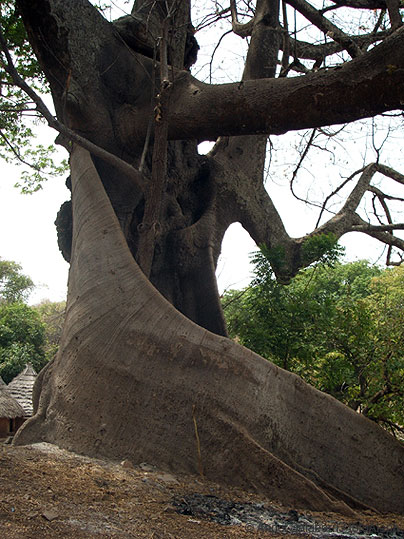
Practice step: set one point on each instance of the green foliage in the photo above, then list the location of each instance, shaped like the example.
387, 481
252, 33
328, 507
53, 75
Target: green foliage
22, 337
27, 334
321, 248
52, 315
340, 327
14, 286
18, 114
268, 258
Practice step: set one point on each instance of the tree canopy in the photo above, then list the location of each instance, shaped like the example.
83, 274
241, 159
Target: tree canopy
14, 285
27, 334
339, 327
22, 338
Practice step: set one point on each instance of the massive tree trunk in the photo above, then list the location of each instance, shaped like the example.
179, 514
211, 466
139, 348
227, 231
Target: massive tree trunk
136, 379
144, 370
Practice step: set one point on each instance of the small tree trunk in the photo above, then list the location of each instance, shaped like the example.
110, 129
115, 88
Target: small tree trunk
134, 376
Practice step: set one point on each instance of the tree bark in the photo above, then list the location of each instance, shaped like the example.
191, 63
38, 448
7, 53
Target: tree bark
132, 374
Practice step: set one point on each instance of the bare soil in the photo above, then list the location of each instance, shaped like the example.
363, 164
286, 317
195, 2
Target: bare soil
46, 492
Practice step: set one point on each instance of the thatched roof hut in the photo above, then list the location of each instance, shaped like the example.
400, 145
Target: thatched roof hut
9, 407
11, 413
21, 388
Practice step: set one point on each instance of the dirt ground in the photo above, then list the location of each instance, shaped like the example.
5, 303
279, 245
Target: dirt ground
46, 492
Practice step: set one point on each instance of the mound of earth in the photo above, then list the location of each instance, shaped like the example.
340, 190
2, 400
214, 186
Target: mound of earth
47, 492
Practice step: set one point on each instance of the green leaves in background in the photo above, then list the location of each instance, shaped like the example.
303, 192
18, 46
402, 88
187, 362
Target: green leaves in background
339, 326
27, 334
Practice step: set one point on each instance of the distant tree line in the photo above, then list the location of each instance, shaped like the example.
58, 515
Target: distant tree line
27, 334
338, 326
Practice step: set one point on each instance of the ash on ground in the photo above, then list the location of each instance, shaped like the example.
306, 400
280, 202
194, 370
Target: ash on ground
260, 517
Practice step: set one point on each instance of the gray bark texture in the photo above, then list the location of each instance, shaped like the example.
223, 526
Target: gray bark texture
145, 370
133, 373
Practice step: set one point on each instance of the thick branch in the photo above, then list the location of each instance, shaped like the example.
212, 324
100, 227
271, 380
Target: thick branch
367, 227
361, 4
379, 234
374, 83
390, 173
245, 156
309, 51
393, 7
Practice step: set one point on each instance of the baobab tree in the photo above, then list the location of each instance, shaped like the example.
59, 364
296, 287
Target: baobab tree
145, 370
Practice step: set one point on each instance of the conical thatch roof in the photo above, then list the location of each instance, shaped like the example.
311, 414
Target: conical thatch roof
21, 388
9, 407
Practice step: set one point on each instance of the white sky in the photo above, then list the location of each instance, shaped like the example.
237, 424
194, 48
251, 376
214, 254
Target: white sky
28, 235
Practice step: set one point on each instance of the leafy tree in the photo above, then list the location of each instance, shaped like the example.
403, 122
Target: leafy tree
339, 327
386, 306
14, 286
137, 372
22, 337
52, 315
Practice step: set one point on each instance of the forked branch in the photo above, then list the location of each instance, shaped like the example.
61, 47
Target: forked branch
326, 26
242, 30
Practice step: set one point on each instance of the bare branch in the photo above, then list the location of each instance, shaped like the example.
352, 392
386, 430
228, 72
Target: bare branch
381, 235
335, 192
242, 30
309, 51
219, 42
390, 173
212, 19
323, 24
361, 4
385, 196
393, 7
302, 158
367, 227
359, 190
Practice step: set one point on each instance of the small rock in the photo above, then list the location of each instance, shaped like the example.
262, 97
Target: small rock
167, 478
146, 467
127, 464
50, 514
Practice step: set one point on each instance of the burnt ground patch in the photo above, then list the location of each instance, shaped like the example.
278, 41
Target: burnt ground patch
264, 518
